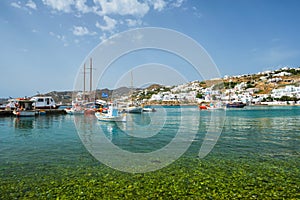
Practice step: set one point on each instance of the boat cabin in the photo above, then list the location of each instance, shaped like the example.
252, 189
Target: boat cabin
24, 104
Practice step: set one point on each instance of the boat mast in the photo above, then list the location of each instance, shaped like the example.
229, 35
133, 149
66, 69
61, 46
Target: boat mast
91, 75
84, 81
131, 83
91, 78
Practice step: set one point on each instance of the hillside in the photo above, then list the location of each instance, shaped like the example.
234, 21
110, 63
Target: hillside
262, 83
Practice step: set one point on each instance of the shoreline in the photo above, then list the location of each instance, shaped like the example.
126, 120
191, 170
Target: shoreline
9, 113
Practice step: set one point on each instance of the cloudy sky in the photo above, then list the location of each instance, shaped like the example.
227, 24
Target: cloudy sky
44, 42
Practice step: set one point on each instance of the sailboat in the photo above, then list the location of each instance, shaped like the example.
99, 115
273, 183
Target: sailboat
81, 105
133, 108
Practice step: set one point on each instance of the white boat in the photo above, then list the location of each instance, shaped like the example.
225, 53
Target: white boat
11, 105
134, 109
74, 111
40, 102
112, 115
24, 108
216, 106
149, 110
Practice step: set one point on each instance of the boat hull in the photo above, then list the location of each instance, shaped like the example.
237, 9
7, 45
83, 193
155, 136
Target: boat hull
46, 107
109, 118
148, 110
24, 113
72, 111
137, 110
235, 105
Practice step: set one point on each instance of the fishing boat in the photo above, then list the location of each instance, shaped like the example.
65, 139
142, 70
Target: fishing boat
23, 108
112, 114
235, 105
76, 109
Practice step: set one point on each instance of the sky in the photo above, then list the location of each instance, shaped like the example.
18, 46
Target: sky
44, 43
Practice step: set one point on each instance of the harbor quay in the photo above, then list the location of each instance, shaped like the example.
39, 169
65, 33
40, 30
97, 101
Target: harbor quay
8, 113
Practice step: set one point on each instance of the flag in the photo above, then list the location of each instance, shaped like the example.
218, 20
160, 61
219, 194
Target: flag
104, 95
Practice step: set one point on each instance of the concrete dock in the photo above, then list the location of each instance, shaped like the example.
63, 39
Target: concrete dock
8, 113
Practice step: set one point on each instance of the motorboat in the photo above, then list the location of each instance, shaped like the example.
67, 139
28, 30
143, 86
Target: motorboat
149, 110
11, 105
134, 109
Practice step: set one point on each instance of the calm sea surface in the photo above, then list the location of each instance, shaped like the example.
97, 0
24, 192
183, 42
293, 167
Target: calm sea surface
256, 156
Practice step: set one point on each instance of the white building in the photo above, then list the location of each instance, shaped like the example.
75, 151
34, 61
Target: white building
289, 90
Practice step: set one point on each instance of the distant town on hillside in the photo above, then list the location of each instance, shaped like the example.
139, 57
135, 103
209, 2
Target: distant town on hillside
281, 86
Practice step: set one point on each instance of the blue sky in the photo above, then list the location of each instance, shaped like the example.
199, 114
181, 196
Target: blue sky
43, 43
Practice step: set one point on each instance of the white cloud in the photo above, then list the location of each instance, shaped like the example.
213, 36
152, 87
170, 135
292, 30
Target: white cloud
178, 3
110, 24
81, 6
159, 5
16, 4
31, 4
81, 31
132, 22
123, 7
196, 12
103, 37
60, 5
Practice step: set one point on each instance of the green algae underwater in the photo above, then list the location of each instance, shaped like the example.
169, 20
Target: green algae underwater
256, 157
212, 178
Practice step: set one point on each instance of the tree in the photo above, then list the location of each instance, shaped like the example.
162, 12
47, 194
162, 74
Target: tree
199, 95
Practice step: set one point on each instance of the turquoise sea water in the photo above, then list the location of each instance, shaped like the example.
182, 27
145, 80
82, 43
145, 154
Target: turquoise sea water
255, 157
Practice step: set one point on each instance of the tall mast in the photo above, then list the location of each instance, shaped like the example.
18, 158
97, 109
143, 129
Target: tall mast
84, 81
91, 75
131, 83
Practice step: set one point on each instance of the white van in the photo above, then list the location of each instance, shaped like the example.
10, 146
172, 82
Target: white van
44, 103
